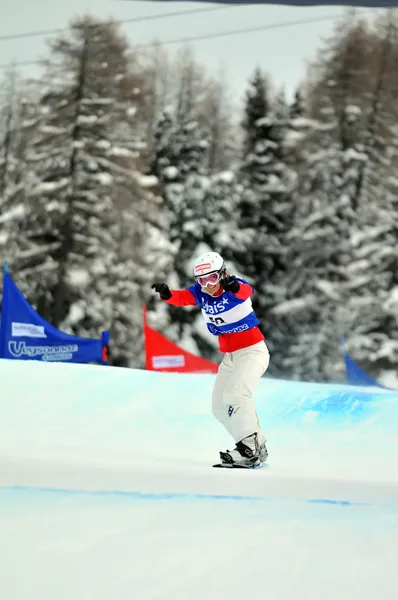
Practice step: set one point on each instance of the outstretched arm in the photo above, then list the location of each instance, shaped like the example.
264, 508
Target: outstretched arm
174, 297
181, 298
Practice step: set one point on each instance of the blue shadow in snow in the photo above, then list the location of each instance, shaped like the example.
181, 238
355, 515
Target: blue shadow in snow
20, 491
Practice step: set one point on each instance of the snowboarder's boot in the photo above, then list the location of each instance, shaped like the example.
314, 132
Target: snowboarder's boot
247, 452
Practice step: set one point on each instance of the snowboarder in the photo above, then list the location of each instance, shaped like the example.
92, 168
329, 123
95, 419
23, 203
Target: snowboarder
227, 310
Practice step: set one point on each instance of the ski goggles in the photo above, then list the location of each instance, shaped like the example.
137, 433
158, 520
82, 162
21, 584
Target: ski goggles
210, 279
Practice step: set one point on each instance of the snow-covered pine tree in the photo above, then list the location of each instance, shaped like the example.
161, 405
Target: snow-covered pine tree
157, 89
180, 164
373, 339
327, 277
182, 85
297, 108
199, 205
256, 107
264, 216
13, 176
84, 152
216, 115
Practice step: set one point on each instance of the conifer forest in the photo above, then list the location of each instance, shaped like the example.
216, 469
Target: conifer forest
118, 166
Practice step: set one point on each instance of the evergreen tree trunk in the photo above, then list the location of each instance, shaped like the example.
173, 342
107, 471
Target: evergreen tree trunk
59, 308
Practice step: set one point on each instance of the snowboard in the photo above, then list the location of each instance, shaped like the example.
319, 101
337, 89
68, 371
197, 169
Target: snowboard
234, 466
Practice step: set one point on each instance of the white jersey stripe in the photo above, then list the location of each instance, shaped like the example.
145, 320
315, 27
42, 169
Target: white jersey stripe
233, 315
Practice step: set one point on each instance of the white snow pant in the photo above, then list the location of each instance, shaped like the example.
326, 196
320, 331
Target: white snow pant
237, 378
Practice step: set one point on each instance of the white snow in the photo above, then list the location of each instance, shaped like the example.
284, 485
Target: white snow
226, 176
264, 121
389, 379
104, 178
170, 173
13, 213
44, 251
147, 180
131, 111
76, 313
295, 305
367, 235
303, 123
98, 267
78, 277
52, 130
393, 181
115, 151
87, 119
97, 101
293, 137
330, 289
353, 109
391, 304
47, 187
190, 227
352, 154
222, 238
106, 490
357, 266
54, 206
105, 144
387, 349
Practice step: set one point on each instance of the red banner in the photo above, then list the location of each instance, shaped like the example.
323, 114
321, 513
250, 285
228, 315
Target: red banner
161, 354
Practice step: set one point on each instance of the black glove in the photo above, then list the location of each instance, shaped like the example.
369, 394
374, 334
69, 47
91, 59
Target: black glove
230, 284
163, 290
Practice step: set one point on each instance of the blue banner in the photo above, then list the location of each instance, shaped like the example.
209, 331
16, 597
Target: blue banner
25, 335
354, 373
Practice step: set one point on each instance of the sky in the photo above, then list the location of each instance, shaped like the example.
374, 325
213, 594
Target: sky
283, 52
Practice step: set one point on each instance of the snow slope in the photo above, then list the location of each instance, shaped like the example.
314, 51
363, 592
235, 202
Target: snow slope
107, 491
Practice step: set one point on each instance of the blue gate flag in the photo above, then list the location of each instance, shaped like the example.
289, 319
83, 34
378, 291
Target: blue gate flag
354, 373
25, 335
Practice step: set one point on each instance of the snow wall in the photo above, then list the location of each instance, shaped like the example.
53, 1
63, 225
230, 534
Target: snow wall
104, 415
107, 490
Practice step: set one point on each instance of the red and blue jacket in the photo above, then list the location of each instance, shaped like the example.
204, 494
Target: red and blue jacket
228, 316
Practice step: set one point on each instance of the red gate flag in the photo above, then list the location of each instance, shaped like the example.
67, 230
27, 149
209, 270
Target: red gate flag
161, 354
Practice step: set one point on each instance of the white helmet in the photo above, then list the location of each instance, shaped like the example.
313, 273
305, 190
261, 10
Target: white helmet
208, 263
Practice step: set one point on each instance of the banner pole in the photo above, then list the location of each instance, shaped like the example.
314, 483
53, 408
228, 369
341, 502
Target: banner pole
144, 331
2, 316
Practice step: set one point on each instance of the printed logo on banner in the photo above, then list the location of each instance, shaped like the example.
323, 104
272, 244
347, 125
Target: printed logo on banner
45, 353
164, 362
27, 330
